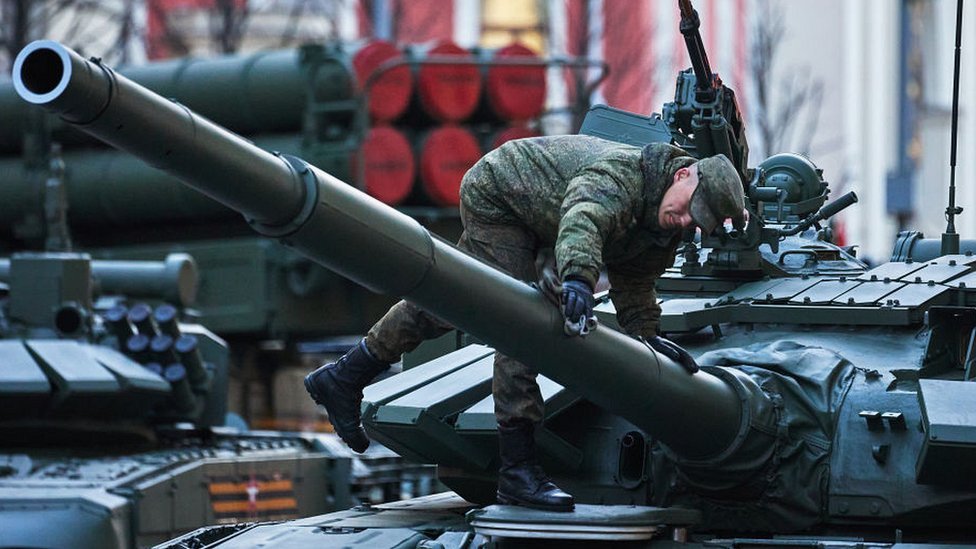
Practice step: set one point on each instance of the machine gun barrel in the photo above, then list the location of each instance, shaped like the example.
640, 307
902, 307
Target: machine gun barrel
698, 416
690, 24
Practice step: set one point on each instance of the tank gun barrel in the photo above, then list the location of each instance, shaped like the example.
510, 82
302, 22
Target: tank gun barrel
697, 416
690, 23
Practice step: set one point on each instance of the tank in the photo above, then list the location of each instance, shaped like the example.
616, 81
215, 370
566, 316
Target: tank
113, 415
831, 409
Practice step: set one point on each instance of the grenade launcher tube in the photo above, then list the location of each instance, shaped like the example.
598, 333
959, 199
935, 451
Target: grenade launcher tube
699, 416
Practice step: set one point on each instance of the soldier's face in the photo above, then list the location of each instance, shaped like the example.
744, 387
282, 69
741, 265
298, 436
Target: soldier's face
675, 211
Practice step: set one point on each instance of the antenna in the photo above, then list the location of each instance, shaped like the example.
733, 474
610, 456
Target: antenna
950, 238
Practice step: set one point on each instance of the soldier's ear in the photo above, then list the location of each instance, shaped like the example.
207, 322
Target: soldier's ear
682, 173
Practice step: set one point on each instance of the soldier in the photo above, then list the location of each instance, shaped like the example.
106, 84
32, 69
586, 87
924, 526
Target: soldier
599, 204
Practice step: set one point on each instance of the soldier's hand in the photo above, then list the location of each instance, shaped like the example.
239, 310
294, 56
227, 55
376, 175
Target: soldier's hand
577, 300
673, 351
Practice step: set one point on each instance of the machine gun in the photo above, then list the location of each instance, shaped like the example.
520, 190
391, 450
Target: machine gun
703, 119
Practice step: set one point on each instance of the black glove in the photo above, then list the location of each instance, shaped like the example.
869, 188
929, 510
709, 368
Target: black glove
673, 351
577, 299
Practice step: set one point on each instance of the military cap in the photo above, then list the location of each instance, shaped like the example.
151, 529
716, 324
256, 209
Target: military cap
718, 195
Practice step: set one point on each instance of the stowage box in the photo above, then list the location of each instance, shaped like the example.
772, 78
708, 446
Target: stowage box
948, 455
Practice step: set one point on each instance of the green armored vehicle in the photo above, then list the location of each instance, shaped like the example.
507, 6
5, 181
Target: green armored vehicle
112, 413
832, 408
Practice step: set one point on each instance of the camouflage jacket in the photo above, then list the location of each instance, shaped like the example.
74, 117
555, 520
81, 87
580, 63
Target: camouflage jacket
586, 197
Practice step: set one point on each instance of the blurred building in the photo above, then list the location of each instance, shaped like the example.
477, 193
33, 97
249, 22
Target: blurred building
884, 124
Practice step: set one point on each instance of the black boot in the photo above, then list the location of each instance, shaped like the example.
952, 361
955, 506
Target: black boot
521, 480
339, 387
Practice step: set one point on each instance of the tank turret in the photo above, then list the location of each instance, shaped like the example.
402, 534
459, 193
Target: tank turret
775, 434
69, 320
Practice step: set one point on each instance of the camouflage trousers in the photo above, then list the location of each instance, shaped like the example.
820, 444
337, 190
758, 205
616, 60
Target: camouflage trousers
511, 249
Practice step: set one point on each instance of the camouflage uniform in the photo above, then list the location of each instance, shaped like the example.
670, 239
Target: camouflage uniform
584, 196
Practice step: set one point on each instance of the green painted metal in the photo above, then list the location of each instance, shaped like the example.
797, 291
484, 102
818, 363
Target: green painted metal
175, 279
950, 433
800, 183
481, 416
385, 391
423, 411
627, 127
45, 282
22, 374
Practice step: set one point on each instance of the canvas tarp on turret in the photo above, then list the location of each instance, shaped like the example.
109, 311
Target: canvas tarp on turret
806, 386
